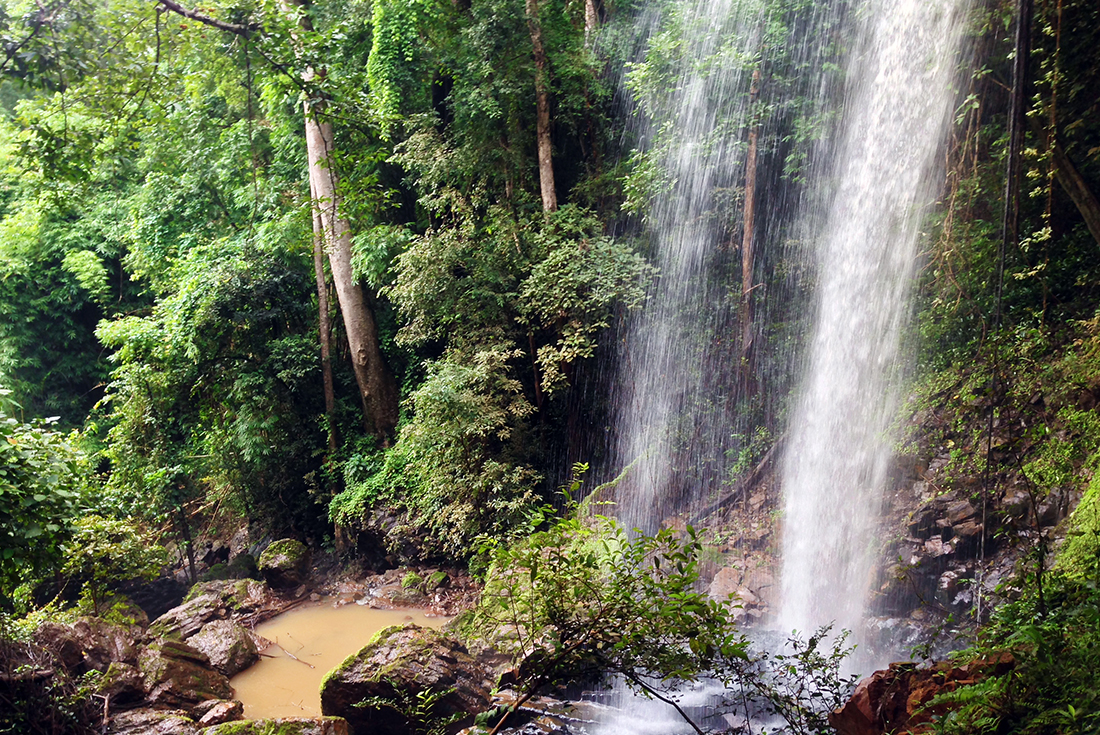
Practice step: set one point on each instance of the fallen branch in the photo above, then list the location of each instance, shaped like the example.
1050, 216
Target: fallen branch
288, 653
742, 488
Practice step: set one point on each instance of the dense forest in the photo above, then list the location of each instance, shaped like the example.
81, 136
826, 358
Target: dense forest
356, 272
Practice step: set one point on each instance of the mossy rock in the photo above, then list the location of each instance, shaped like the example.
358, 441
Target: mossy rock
282, 726
243, 566
400, 662
178, 675
210, 601
151, 722
285, 563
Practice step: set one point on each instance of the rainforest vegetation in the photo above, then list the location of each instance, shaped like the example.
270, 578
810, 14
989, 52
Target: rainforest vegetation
354, 270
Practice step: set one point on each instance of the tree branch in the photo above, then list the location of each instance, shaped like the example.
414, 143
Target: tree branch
240, 30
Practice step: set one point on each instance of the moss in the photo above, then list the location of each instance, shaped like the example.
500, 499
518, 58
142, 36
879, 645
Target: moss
436, 580
270, 727
1079, 556
412, 581
285, 553
378, 640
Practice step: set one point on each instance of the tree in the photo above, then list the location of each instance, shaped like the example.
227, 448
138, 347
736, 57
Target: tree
542, 105
39, 497
377, 389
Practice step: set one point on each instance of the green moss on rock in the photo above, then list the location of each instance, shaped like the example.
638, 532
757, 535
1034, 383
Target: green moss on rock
285, 563
288, 726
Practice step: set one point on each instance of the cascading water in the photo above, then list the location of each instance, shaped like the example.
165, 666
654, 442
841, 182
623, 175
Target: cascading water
689, 389
897, 111
667, 376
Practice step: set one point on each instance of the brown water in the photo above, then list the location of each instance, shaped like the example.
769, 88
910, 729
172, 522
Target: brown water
319, 636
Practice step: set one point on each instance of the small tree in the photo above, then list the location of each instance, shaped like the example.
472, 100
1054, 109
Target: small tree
104, 550
39, 486
586, 598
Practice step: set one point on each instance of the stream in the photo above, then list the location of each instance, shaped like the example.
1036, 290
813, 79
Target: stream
317, 637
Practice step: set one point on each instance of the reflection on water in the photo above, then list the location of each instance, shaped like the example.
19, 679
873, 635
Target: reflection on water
318, 638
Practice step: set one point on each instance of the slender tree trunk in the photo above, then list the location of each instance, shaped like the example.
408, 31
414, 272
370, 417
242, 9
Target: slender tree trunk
377, 389
324, 325
1078, 190
748, 252
591, 22
542, 108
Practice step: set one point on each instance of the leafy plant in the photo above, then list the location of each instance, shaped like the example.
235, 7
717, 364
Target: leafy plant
106, 550
420, 709
585, 598
39, 497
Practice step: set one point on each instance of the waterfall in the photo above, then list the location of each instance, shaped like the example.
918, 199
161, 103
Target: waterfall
837, 242
897, 106
667, 383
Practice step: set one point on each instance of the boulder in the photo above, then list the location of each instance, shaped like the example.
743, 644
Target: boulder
216, 711
123, 683
959, 511
895, 699
401, 662
177, 675
88, 643
151, 722
230, 647
285, 563
968, 539
287, 726
210, 601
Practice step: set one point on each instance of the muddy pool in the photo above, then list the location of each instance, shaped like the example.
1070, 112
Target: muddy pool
309, 642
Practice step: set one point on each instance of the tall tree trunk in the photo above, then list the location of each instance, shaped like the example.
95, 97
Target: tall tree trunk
377, 388
324, 324
748, 252
591, 22
542, 109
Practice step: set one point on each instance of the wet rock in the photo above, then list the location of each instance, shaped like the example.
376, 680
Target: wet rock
210, 601
968, 539
1017, 505
404, 660
285, 563
177, 675
230, 647
283, 726
217, 711
936, 547
216, 554
243, 566
156, 597
61, 641
896, 699
123, 682
88, 643
922, 522
959, 511
151, 722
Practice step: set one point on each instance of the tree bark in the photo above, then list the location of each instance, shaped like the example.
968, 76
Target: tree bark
1078, 190
377, 389
324, 324
542, 110
591, 22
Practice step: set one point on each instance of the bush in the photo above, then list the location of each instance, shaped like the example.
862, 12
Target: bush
588, 599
